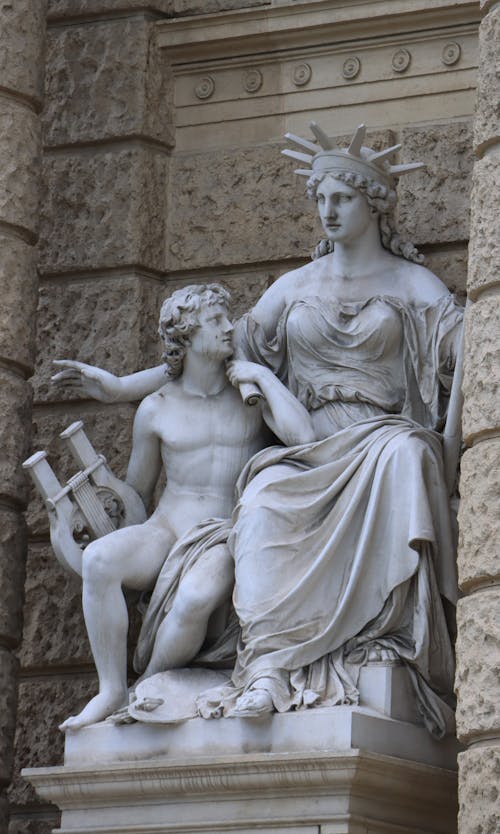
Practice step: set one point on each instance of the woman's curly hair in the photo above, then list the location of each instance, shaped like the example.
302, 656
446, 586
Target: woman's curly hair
179, 318
378, 196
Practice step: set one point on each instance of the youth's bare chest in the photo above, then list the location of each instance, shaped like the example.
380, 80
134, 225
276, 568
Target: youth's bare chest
221, 421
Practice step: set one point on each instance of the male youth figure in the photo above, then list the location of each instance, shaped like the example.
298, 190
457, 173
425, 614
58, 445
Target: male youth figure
197, 425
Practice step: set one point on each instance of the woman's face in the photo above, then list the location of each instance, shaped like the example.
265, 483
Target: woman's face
344, 212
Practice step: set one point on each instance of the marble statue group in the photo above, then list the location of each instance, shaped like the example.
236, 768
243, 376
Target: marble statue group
305, 529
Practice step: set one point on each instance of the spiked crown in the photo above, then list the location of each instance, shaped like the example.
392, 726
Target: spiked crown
325, 158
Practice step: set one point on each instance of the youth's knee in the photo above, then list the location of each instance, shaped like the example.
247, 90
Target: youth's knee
99, 564
193, 602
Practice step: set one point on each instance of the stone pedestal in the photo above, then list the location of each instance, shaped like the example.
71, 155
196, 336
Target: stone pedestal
340, 770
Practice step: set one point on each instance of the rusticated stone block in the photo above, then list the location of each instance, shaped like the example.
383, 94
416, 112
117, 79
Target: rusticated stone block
481, 385
434, 201
111, 322
18, 300
487, 116
54, 628
43, 704
15, 408
19, 173
477, 681
104, 80
484, 249
22, 25
246, 287
478, 775
451, 266
108, 428
9, 667
479, 536
12, 572
103, 208
261, 211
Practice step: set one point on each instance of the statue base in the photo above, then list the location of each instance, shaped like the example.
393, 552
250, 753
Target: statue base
340, 770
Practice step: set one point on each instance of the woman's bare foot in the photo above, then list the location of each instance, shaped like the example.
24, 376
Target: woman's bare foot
253, 704
96, 710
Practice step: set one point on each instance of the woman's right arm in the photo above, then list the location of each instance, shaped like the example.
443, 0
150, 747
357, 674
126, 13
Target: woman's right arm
101, 385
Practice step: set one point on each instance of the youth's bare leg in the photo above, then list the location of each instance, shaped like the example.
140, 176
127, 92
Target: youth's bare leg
181, 635
132, 557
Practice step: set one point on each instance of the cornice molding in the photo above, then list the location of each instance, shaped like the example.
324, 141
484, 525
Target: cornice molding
370, 773
256, 30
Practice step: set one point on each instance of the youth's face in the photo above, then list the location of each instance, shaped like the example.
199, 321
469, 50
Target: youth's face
213, 337
344, 212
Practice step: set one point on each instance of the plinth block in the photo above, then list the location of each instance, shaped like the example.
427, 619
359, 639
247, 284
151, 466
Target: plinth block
340, 770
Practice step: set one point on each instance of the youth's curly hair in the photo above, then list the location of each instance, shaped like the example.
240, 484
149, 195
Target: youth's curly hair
378, 196
179, 318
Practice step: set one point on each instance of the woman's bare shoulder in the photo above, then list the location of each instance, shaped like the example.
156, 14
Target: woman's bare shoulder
418, 285
281, 294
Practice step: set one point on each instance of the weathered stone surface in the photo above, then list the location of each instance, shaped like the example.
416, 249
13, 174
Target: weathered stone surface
487, 116
237, 206
54, 629
43, 704
479, 537
434, 201
185, 7
477, 681
108, 428
481, 384
77, 9
22, 27
19, 172
103, 208
4, 812
8, 702
12, 572
104, 80
484, 249
36, 823
18, 300
451, 266
110, 322
478, 774
15, 408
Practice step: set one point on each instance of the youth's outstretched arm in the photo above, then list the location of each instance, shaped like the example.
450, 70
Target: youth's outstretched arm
101, 385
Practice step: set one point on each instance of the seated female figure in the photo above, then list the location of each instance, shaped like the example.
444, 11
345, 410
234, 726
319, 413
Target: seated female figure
343, 547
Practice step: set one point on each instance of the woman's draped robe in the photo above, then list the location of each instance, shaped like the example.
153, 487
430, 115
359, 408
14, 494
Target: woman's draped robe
345, 544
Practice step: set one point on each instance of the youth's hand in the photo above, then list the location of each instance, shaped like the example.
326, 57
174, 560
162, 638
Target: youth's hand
86, 380
240, 371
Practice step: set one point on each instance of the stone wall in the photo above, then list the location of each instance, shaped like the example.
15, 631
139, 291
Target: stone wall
107, 135
126, 218
478, 644
22, 29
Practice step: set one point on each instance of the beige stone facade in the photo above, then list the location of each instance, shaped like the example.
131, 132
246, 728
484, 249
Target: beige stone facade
162, 125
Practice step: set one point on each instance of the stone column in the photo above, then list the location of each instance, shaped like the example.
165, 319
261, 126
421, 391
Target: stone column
107, 133
22, 28
478, 646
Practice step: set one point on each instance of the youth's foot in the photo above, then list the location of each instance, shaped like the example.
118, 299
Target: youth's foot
96, 710
253, 704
